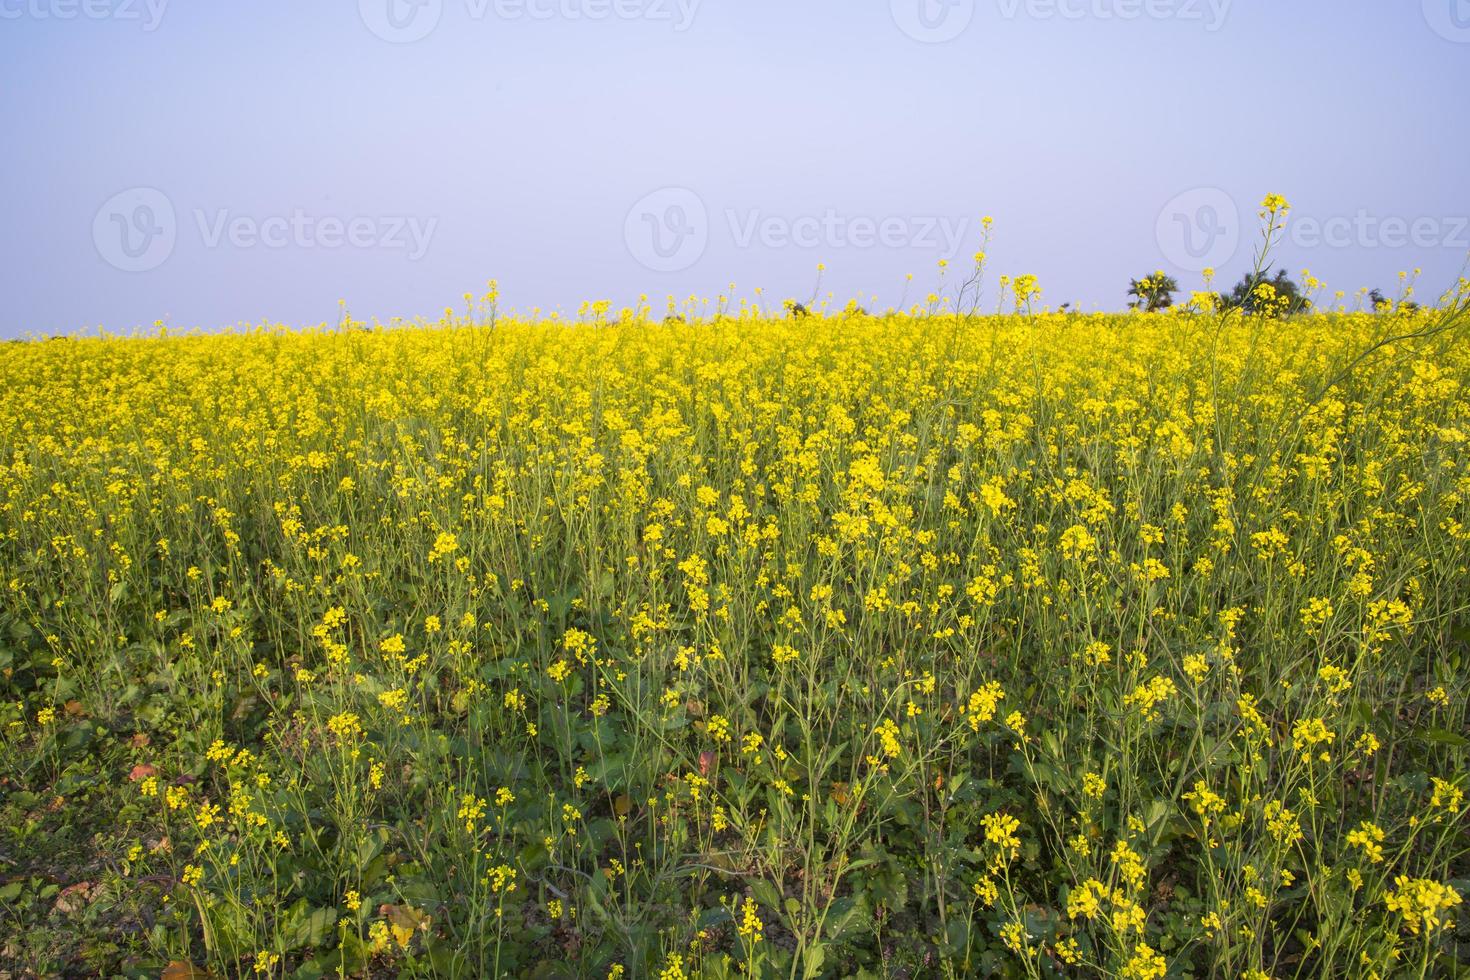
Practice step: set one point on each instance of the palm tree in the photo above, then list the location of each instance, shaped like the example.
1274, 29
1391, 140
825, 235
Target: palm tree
1153, 293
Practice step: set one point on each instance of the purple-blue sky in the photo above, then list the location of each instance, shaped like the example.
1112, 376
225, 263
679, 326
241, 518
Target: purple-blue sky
217, 163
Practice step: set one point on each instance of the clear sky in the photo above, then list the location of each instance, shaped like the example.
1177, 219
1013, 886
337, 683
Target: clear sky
217, 163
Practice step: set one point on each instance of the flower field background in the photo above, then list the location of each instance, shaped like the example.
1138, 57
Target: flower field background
827, 646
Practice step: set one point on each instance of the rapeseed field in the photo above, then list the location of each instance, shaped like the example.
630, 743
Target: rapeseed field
740, 643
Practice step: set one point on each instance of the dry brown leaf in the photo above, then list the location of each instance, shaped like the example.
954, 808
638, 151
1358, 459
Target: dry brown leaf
74, 898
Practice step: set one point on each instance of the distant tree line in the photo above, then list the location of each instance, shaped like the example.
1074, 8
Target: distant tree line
1276, 296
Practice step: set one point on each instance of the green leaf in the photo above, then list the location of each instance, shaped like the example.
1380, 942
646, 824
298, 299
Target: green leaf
766, 894
812, 960
304, 926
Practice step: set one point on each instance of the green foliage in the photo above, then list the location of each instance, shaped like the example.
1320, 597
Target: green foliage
1270, 296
